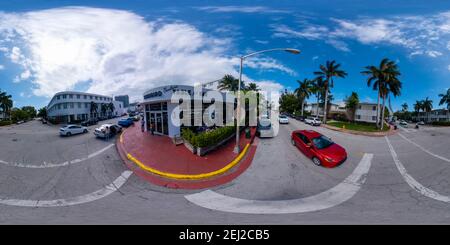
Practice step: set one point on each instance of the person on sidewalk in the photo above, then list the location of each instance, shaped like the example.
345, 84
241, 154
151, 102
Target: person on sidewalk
142, 124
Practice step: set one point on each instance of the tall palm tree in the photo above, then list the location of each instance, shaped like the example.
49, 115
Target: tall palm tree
445, 99
316, 89
418, 106
303, 91
404, 107
427, 106
94, 108
103, 109
252, 87
383, 78
327, 72
230, 83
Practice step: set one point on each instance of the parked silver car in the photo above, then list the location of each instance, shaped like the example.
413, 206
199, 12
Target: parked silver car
107, 130
70, 129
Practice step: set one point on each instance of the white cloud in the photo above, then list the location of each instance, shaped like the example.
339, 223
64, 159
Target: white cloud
2, 67
448, 67
113, 51
240, 9
419, 35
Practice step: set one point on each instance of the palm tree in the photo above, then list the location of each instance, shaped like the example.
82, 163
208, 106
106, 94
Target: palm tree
6, 103
385, 81
111, 107
230, 83
351, 104
445, 99
327, 72
303, 91
427, 106
94, 108
103, 109
404, 107
316, 89
252, 87
418, 106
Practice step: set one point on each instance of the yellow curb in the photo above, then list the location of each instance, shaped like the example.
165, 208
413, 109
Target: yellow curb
193, 176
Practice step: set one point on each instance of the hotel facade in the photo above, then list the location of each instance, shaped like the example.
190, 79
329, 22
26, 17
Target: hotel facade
71, 107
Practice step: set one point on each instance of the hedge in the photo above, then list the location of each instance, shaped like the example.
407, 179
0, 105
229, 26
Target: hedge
4, 123
440, 123
208, 138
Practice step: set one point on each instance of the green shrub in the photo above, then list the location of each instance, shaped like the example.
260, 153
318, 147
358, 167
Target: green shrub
4, 123
208, 138
440, 123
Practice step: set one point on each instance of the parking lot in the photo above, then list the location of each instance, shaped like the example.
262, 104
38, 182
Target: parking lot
402, 178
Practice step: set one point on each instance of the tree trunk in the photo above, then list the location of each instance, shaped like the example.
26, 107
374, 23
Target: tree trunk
382, 112
303, 104
325, 106
378, 108
317, 110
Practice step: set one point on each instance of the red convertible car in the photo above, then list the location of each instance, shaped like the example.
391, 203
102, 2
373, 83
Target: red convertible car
319, 148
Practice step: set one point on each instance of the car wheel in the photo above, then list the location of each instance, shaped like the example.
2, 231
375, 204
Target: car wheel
293, 142
316, 161
68, 134
85, 131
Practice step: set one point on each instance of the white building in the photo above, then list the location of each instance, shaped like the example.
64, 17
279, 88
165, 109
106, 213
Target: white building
438, 115
366, 112
70, 106
333, 108
165, 115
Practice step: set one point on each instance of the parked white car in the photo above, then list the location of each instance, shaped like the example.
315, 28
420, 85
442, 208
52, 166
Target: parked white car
421, 123
282, 119
264, 129
314, 121
72, 129
403, 124
107, 130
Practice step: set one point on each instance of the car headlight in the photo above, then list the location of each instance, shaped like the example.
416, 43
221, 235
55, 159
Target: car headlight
328, 159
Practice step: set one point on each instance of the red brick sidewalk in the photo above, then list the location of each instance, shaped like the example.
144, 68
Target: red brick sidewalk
159, 152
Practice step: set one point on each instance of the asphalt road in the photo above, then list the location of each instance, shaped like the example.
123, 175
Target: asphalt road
48, 179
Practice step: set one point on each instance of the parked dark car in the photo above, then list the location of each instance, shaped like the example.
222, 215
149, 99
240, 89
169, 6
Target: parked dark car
89, 122
126, 122
300, 118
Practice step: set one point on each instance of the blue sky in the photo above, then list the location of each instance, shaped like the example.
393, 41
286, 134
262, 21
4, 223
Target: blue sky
116, 47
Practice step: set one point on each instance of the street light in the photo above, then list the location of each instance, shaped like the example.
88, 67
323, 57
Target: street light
238, 111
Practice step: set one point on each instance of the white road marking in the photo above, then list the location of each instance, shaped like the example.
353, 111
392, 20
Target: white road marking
411, 181
106, 191
423, 149
52, 165
327, 199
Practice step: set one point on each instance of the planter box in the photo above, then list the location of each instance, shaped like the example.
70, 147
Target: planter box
190, 147
201, 151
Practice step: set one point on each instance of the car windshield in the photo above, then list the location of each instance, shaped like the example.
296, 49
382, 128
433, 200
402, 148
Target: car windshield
282, 116
264, 125
322, 142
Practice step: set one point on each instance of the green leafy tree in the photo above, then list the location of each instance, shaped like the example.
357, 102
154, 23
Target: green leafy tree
30, 111
42, 112
288, 102
6, 103
404, 107
230, 83
327, 72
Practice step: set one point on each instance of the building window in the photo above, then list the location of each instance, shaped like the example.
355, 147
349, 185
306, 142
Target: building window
70, 96
359, 107
79, 104
86, 105
85, 96
358, 116
65, 105
96, 97
57, 97
59, 106
374, 108
64, 96
78, 96
374, 118
90, 97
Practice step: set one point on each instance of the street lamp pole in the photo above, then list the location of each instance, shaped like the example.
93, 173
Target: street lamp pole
238, 109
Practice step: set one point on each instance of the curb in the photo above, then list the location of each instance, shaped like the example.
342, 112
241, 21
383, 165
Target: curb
369, 134
185, 176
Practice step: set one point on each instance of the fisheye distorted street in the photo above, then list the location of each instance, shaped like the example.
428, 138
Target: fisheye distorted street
198, 112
